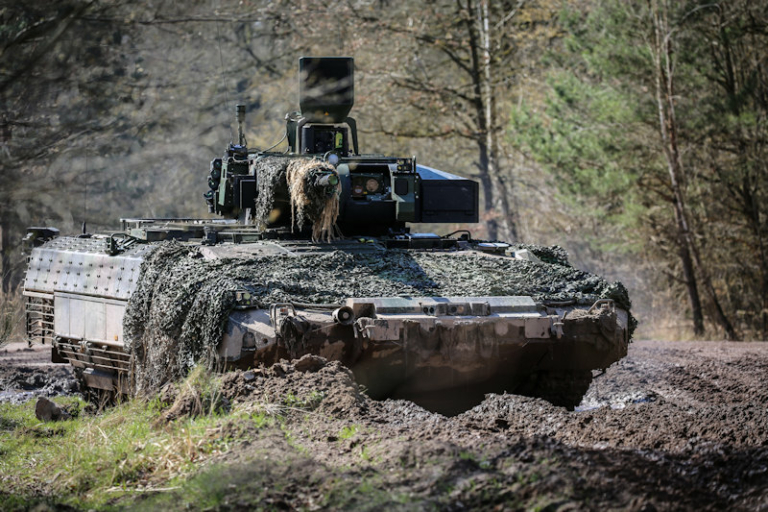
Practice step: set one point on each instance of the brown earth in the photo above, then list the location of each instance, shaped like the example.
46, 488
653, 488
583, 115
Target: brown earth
672, 426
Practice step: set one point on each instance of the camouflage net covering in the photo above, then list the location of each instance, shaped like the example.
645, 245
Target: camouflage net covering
178, 312
271, 177
318, 205
173, 317
548, 254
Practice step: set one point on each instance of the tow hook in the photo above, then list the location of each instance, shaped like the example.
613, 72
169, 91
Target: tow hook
290, 327
606, 304
557, 326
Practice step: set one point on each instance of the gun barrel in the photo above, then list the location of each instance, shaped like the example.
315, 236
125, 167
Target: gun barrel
327, 180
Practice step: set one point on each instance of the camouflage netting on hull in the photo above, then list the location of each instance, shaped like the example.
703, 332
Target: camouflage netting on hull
178, 312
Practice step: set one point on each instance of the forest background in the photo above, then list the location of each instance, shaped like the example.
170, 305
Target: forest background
633, 134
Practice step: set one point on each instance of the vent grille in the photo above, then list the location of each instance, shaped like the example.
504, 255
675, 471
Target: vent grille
39, 316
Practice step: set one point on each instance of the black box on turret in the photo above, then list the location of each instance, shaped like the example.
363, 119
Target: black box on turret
446, 197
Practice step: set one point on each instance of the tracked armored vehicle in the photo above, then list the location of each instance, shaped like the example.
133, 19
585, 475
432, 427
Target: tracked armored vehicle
314, 255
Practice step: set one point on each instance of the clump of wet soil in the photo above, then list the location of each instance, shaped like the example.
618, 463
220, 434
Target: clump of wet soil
309, 383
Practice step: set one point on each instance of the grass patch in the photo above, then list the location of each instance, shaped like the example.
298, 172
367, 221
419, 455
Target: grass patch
136, 455
91, 460
348, 432
310, 402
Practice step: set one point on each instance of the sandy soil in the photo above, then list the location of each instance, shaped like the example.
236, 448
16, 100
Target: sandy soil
672, 426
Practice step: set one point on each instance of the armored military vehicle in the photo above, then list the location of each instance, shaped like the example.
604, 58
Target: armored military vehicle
313, 254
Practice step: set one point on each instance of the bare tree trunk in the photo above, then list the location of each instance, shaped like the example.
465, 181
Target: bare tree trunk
496, 198
690, 282
689, 254
492, 132
752, 212
485, 162
491, 225
670, 148
746, 193
5, 255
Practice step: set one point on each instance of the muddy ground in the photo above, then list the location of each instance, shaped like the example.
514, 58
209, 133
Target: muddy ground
26, 372
672, 426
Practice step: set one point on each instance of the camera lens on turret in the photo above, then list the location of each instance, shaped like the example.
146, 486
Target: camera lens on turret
332, 158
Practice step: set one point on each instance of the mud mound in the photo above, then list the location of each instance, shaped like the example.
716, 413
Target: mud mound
650, 401
655, 425
309, 383
723, 384
401, 413
191, 402
648, 437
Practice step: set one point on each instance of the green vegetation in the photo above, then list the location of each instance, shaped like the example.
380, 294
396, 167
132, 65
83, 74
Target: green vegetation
93, 458
653, 129
310, 402
129, 457
132, 447
348, 432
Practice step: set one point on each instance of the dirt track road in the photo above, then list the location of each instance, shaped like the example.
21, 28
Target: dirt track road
672, 426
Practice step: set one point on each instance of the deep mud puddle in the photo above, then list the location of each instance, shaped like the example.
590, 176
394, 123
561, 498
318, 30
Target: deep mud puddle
27, 372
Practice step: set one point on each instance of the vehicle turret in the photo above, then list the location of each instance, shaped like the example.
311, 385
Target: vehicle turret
376, 194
